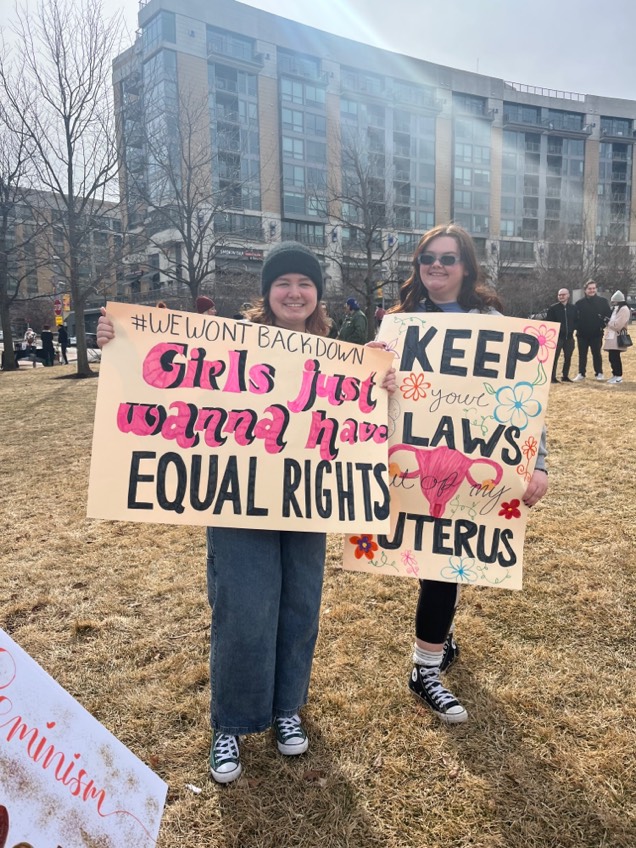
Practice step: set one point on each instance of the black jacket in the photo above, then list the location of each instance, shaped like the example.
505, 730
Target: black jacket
565, 315
591, 313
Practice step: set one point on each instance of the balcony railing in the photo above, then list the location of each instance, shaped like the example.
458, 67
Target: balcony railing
546, 92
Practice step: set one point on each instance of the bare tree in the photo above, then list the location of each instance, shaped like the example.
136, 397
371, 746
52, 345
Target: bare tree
63, 96
17, 235
189, 200
569, 263
358, 201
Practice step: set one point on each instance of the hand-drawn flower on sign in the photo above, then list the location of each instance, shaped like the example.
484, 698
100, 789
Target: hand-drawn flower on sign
414, 387
522, 471
410, 562
547, 338
391, 347
365, 546
395, 412
516, 405
510, 509
529, 447
459, 569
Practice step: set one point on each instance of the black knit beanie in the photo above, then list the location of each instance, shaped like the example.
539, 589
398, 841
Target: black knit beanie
290, 257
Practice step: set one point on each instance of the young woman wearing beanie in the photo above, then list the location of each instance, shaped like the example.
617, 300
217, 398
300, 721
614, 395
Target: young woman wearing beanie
265, 586
619, 319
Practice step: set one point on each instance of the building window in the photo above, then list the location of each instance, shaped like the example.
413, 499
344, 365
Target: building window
229, 44
293, 148
520, 251
312, 234
469, 104
518, 113
294, 203
616, 126
293, 120
161, 28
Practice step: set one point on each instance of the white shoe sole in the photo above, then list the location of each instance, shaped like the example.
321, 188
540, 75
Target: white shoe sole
292, 750
227, 776
453, 718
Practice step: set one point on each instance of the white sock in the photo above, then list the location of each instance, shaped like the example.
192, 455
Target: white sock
427, 658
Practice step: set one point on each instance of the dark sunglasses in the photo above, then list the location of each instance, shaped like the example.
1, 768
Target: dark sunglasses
447, 259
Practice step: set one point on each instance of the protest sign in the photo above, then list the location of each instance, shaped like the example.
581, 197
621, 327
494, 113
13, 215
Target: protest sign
65, 781
465, 427
201, 420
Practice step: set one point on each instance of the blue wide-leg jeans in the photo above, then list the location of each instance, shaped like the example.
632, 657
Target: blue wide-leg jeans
264, 588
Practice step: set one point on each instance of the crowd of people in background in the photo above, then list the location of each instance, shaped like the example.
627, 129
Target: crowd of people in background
590, 326
599, 325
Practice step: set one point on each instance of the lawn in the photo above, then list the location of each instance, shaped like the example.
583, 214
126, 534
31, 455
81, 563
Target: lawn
118, 614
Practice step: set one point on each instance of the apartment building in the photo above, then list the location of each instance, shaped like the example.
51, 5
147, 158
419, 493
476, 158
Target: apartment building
522, 168
36, 248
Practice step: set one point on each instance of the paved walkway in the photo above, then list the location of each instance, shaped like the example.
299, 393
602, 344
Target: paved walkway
71, 354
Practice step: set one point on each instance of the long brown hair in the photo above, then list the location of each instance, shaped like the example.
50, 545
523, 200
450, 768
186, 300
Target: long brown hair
261, 313
474, 294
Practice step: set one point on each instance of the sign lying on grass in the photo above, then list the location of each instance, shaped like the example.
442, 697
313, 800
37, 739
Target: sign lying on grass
205, 421
465, 428
65, 781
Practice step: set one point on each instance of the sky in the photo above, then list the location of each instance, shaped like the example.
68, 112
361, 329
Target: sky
571, 45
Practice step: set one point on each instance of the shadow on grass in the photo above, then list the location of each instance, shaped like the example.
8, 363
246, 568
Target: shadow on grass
281, 802
539, 793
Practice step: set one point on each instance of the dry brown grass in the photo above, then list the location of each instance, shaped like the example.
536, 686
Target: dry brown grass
117, 613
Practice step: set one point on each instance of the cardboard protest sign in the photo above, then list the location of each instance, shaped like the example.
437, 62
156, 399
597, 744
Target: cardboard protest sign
65, 781
465, 426
201, 420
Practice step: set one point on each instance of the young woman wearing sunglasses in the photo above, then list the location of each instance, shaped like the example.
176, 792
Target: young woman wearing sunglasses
446, 277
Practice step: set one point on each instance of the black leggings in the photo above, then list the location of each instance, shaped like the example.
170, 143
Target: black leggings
616, 362
435, 610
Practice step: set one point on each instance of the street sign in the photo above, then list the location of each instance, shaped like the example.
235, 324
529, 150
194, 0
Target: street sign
66, 302
58, 306
58, 320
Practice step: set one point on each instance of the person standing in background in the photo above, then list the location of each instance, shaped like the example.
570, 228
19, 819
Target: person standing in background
48, 350
592, 313
563, 313
29, 344
62, 337
205, 305
354, 326
619, 319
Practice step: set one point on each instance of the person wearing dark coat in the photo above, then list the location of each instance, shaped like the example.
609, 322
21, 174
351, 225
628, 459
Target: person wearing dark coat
563, 313
592, 314
354, 326
48, 350
62, 337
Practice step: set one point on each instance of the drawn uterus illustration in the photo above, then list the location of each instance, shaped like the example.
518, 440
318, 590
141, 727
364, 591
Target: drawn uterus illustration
441, 472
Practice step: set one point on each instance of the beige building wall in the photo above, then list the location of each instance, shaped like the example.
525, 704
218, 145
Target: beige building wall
496, 148
269, 132
632, 220
194, 119
443, 168
590, 188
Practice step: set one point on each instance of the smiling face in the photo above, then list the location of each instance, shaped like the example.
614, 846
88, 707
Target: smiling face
590, 289
293, 298
564, 296
443, 282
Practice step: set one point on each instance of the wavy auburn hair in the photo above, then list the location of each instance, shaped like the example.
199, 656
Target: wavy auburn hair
474, 293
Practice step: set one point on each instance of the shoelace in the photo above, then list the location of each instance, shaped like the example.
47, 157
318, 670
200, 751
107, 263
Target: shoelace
434, 686
289, 727
226, 747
